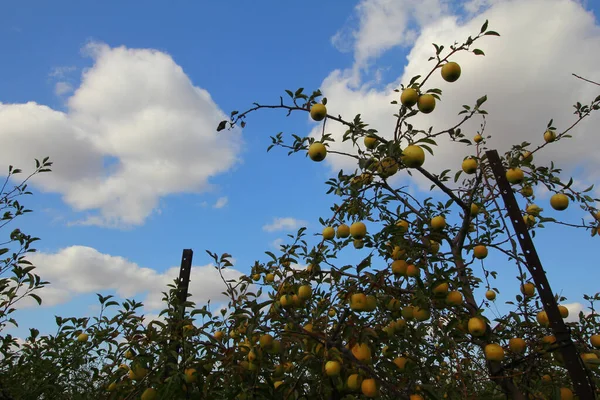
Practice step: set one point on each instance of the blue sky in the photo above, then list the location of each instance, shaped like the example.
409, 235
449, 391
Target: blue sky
68, 57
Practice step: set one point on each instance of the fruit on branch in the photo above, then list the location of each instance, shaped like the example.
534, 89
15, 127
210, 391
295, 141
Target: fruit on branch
387, 167
542, 318
478, 138
328, 233
426, 103
469, 165
515, 175
269, 278
266, 341
333, 368
318, 112
304, 292
369, 387
361, 352
527, 157
559, 201
533, 209
564, 311
354, 382
528, 289
370, 142
549, 136
149, 394
517, 345
399, 267
451, 71
474, 209
403, 225
83, 337
490, 295
476, 326
441, 290
413, 156
480, 251
527, 191
494, 352
343, 231
595, 341
317, 151
454, 298
358, 230
438, 223
191, 375
409, 97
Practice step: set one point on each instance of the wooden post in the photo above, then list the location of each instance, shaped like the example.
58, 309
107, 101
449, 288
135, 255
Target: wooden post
582, 382
182, 292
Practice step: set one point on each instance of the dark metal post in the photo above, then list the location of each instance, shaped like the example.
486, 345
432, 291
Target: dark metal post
582, 382
182, 292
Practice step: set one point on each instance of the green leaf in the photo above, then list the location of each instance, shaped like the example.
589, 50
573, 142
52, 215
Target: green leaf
491, 33
480, 101
478, 52
484, 26
221, 126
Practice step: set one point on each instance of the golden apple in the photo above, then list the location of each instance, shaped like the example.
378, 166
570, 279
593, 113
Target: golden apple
409, 97
318, 112
317, 151
413, 156
451, 71
426, 103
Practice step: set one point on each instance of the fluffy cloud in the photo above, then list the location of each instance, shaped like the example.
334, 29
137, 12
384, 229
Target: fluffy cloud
384, 24
526, 75
79, 270
136, 108
284, 224
221, 202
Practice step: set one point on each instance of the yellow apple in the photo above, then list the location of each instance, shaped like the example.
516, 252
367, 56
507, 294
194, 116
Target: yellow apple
515, 175
354, 381
409, 97
494, 352
318, 112
399, 267
559, 201
451, 71
369, 387
343, 231
549, 136
317, 151
304, 292
149, 394
438, 223
413, 156
469, 165
490, 295
528, 289
361, 352
370, 142
328, 233
454, 298
333, 368
358, 230
478, 138
83, 337
480, 252
476, 326
426, 103
266, 341
517, 345
191, 375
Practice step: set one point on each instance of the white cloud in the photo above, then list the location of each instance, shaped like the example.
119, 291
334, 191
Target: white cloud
384, 24
61, 88
221, 202
77, 270
574, 310
276, 244
138, 107
526, 74
284, 224
61, 72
